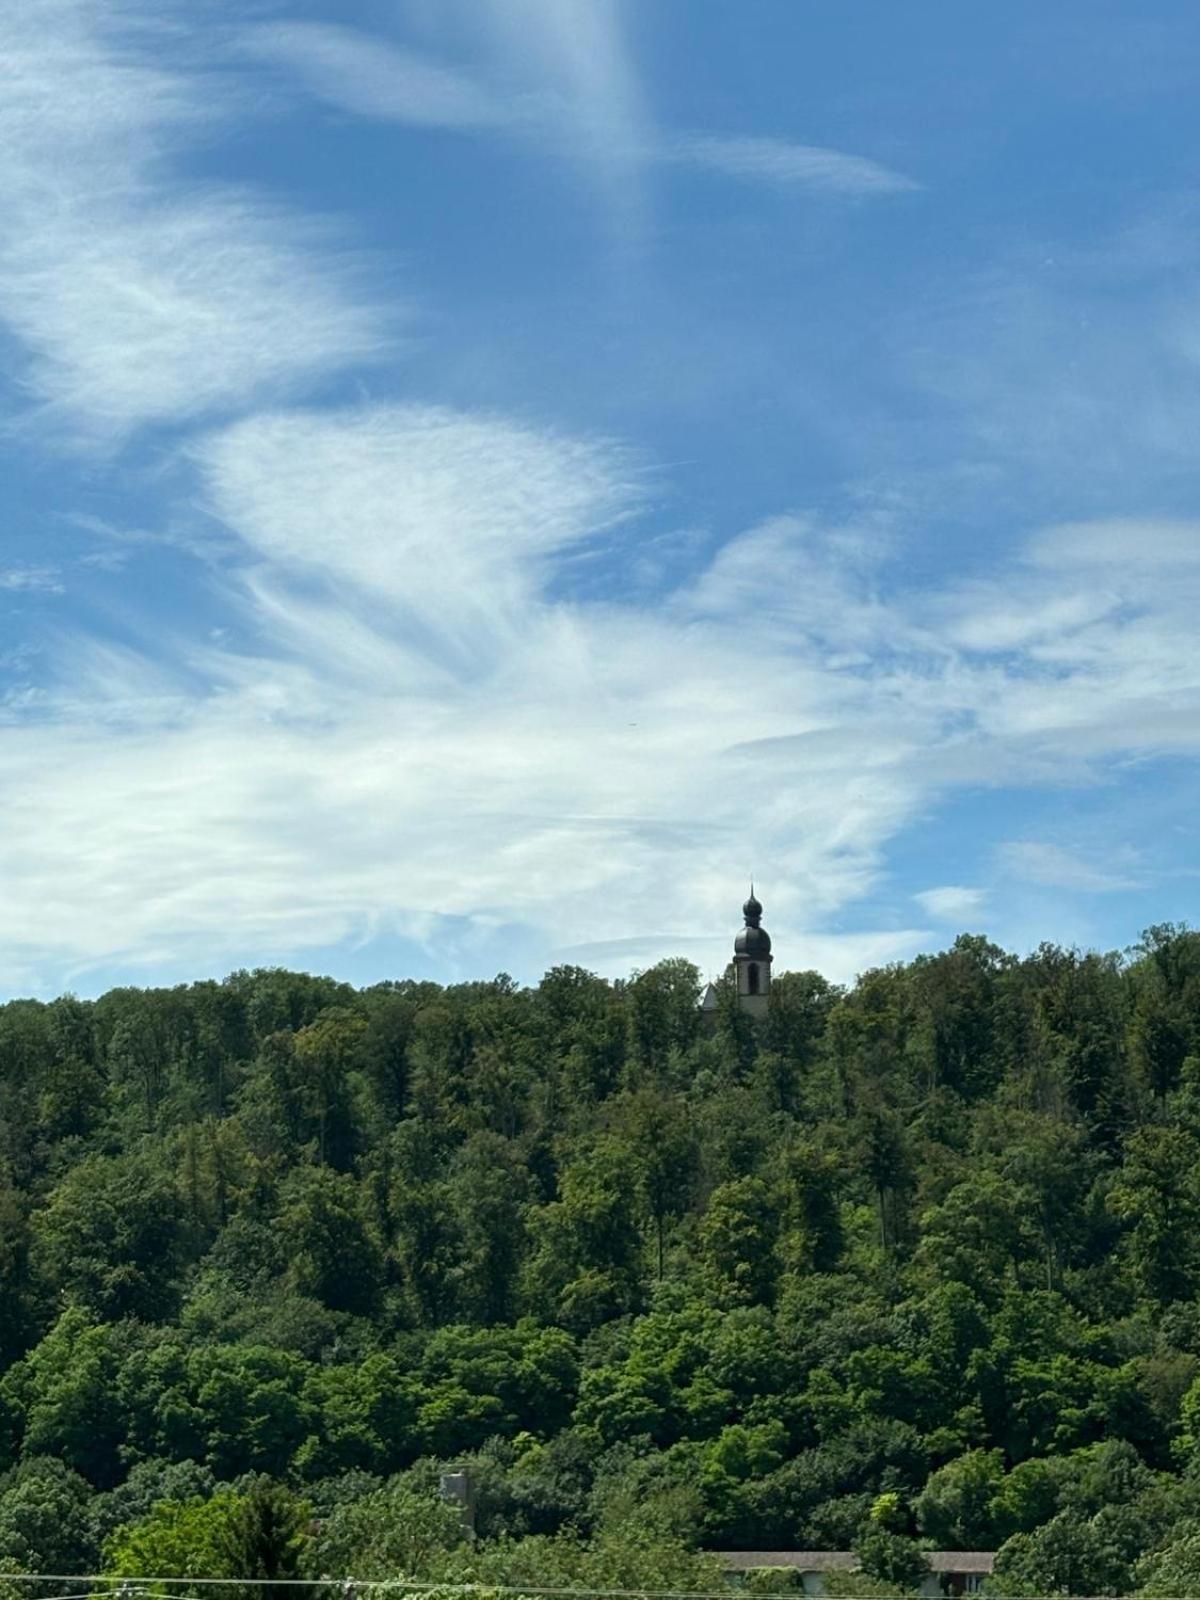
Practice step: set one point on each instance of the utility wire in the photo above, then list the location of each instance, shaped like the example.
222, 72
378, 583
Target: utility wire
141, 1585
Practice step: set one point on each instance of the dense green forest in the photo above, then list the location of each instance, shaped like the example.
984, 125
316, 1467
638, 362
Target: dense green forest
912, 1263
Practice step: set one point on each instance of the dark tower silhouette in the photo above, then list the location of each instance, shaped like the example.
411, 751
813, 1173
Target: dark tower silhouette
752, 960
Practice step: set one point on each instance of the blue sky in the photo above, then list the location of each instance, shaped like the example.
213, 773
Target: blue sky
479, 479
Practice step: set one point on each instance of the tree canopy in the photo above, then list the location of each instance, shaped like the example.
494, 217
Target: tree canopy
911, 1262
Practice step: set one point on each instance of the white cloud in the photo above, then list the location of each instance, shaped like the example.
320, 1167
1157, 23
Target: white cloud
396, 727
1064, 371
841, 957
31, 580
803, 582
951, 903
370, 77
994, 618
404, 720
398, 730
175, 310
787, 164
447, 518
575, 54
559, 70
415, 727
1050, 866
1131, 544
138, 299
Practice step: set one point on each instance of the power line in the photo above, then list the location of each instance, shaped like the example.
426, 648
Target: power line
88, 1594
128, 1588
142, 1585
132, 1588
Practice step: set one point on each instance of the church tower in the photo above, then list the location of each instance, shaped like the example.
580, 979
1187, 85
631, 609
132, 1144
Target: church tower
752, 960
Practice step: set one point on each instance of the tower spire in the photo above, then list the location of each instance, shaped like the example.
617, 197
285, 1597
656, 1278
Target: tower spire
752, 959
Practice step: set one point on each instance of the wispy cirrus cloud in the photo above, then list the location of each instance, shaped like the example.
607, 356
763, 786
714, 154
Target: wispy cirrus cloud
1128, 545
449, 518
952, 903
135, 298
176, 308
574, 57
31, 580
393, 682
1051, 866
1070, 369
399, 718
401, 734
371, 77
555, 69
786, 164
390, 721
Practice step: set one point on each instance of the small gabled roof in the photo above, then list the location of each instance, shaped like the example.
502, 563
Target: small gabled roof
962, 1560
710, 1000
804, 1560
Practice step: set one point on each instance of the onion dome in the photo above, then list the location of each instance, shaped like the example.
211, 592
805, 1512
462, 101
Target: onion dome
753, 940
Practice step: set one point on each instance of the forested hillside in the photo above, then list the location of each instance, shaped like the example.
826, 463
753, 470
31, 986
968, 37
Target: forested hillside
916, 1260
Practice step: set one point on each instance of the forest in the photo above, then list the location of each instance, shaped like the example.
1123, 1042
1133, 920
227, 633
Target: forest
912, 1264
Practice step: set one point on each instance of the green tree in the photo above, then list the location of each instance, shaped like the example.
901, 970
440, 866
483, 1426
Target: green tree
887, 1163
1166, 1004
330, 1253
266, 1536
326, 1055
111, 1238
957, 1507
666, 1159
247, 1404
663, 1013
892, 1557
176, 1539
150, 1481
262, 1533
737, 1238
44, 1520
1157, 1196
399, 1530
587, 1264
16, 1282
488, 1191
1175, 1570
365, 1418
65, 1393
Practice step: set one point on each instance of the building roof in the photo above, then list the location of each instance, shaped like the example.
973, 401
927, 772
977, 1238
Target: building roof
710, 1000
940, 1561
752, 941
805, 1560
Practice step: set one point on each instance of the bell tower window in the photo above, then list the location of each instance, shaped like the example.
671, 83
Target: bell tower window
752, 978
